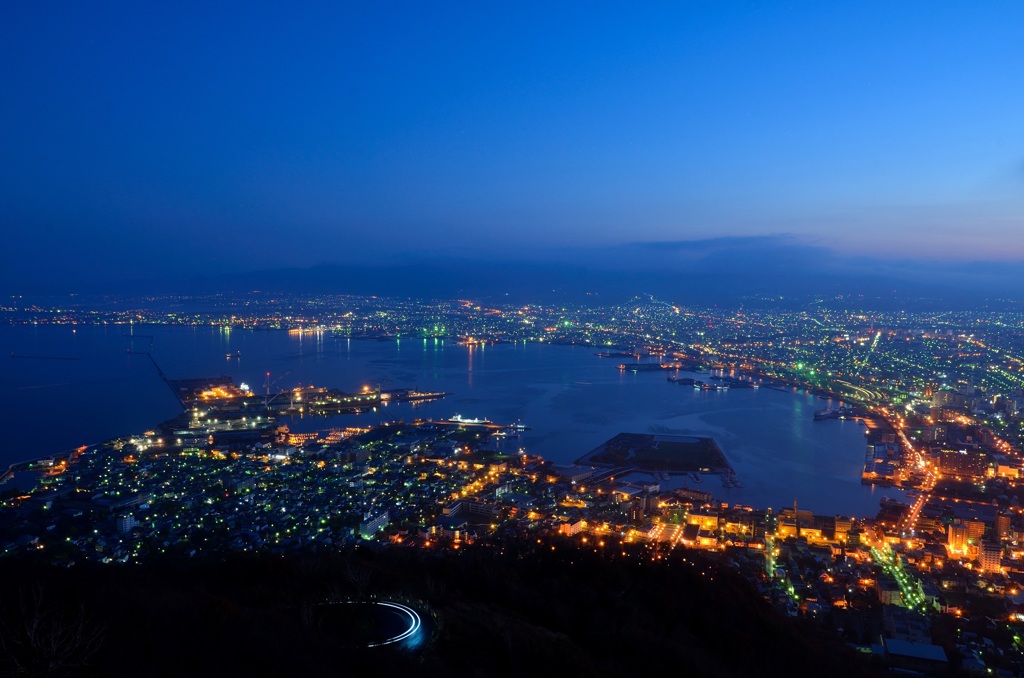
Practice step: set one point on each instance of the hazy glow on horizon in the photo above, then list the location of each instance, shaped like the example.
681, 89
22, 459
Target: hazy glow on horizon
267, 136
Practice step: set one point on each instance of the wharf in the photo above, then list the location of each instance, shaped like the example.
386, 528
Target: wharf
660, 454
332, 401
649, 367
840, 413
490, 425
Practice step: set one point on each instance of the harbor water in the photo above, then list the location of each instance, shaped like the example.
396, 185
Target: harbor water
65, 386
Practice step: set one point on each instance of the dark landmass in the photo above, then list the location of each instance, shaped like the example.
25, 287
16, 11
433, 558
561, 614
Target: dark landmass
757, 273
551, 607
659, 453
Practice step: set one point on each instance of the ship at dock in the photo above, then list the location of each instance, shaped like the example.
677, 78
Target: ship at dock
511, 431
697, 384
838, 413
459, 419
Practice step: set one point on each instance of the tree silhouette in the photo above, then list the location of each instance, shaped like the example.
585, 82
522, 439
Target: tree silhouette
40, 637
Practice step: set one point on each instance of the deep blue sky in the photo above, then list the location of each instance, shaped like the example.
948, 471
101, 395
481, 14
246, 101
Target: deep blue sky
144, 139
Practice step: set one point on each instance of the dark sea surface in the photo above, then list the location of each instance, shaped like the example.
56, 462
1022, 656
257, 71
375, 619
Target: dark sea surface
85, 384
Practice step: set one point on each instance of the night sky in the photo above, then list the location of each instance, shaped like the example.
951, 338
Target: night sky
168, 139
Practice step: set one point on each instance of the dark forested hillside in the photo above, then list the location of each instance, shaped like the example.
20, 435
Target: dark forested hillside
488, 610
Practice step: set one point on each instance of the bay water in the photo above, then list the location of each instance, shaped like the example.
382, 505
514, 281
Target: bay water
68, 385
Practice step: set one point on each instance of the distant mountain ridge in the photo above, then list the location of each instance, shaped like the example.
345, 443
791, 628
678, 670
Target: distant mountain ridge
699, 272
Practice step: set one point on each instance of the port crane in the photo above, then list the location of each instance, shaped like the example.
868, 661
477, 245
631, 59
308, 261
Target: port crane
267, 385
160, 372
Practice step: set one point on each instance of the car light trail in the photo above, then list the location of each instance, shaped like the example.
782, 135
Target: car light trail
414, 621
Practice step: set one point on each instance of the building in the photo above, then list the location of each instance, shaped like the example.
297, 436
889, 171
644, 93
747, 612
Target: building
899, 623
573, 474
975, 531
964, 462
843, 525
453, 528
1003, 528
372, 523
888, 591
909, 656
957, 537
707, 519
989, 555
571, 527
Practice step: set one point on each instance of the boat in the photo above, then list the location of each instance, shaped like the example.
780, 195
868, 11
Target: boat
459, 419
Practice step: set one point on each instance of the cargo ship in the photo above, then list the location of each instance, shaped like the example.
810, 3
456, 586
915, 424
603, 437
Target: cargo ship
459, 419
